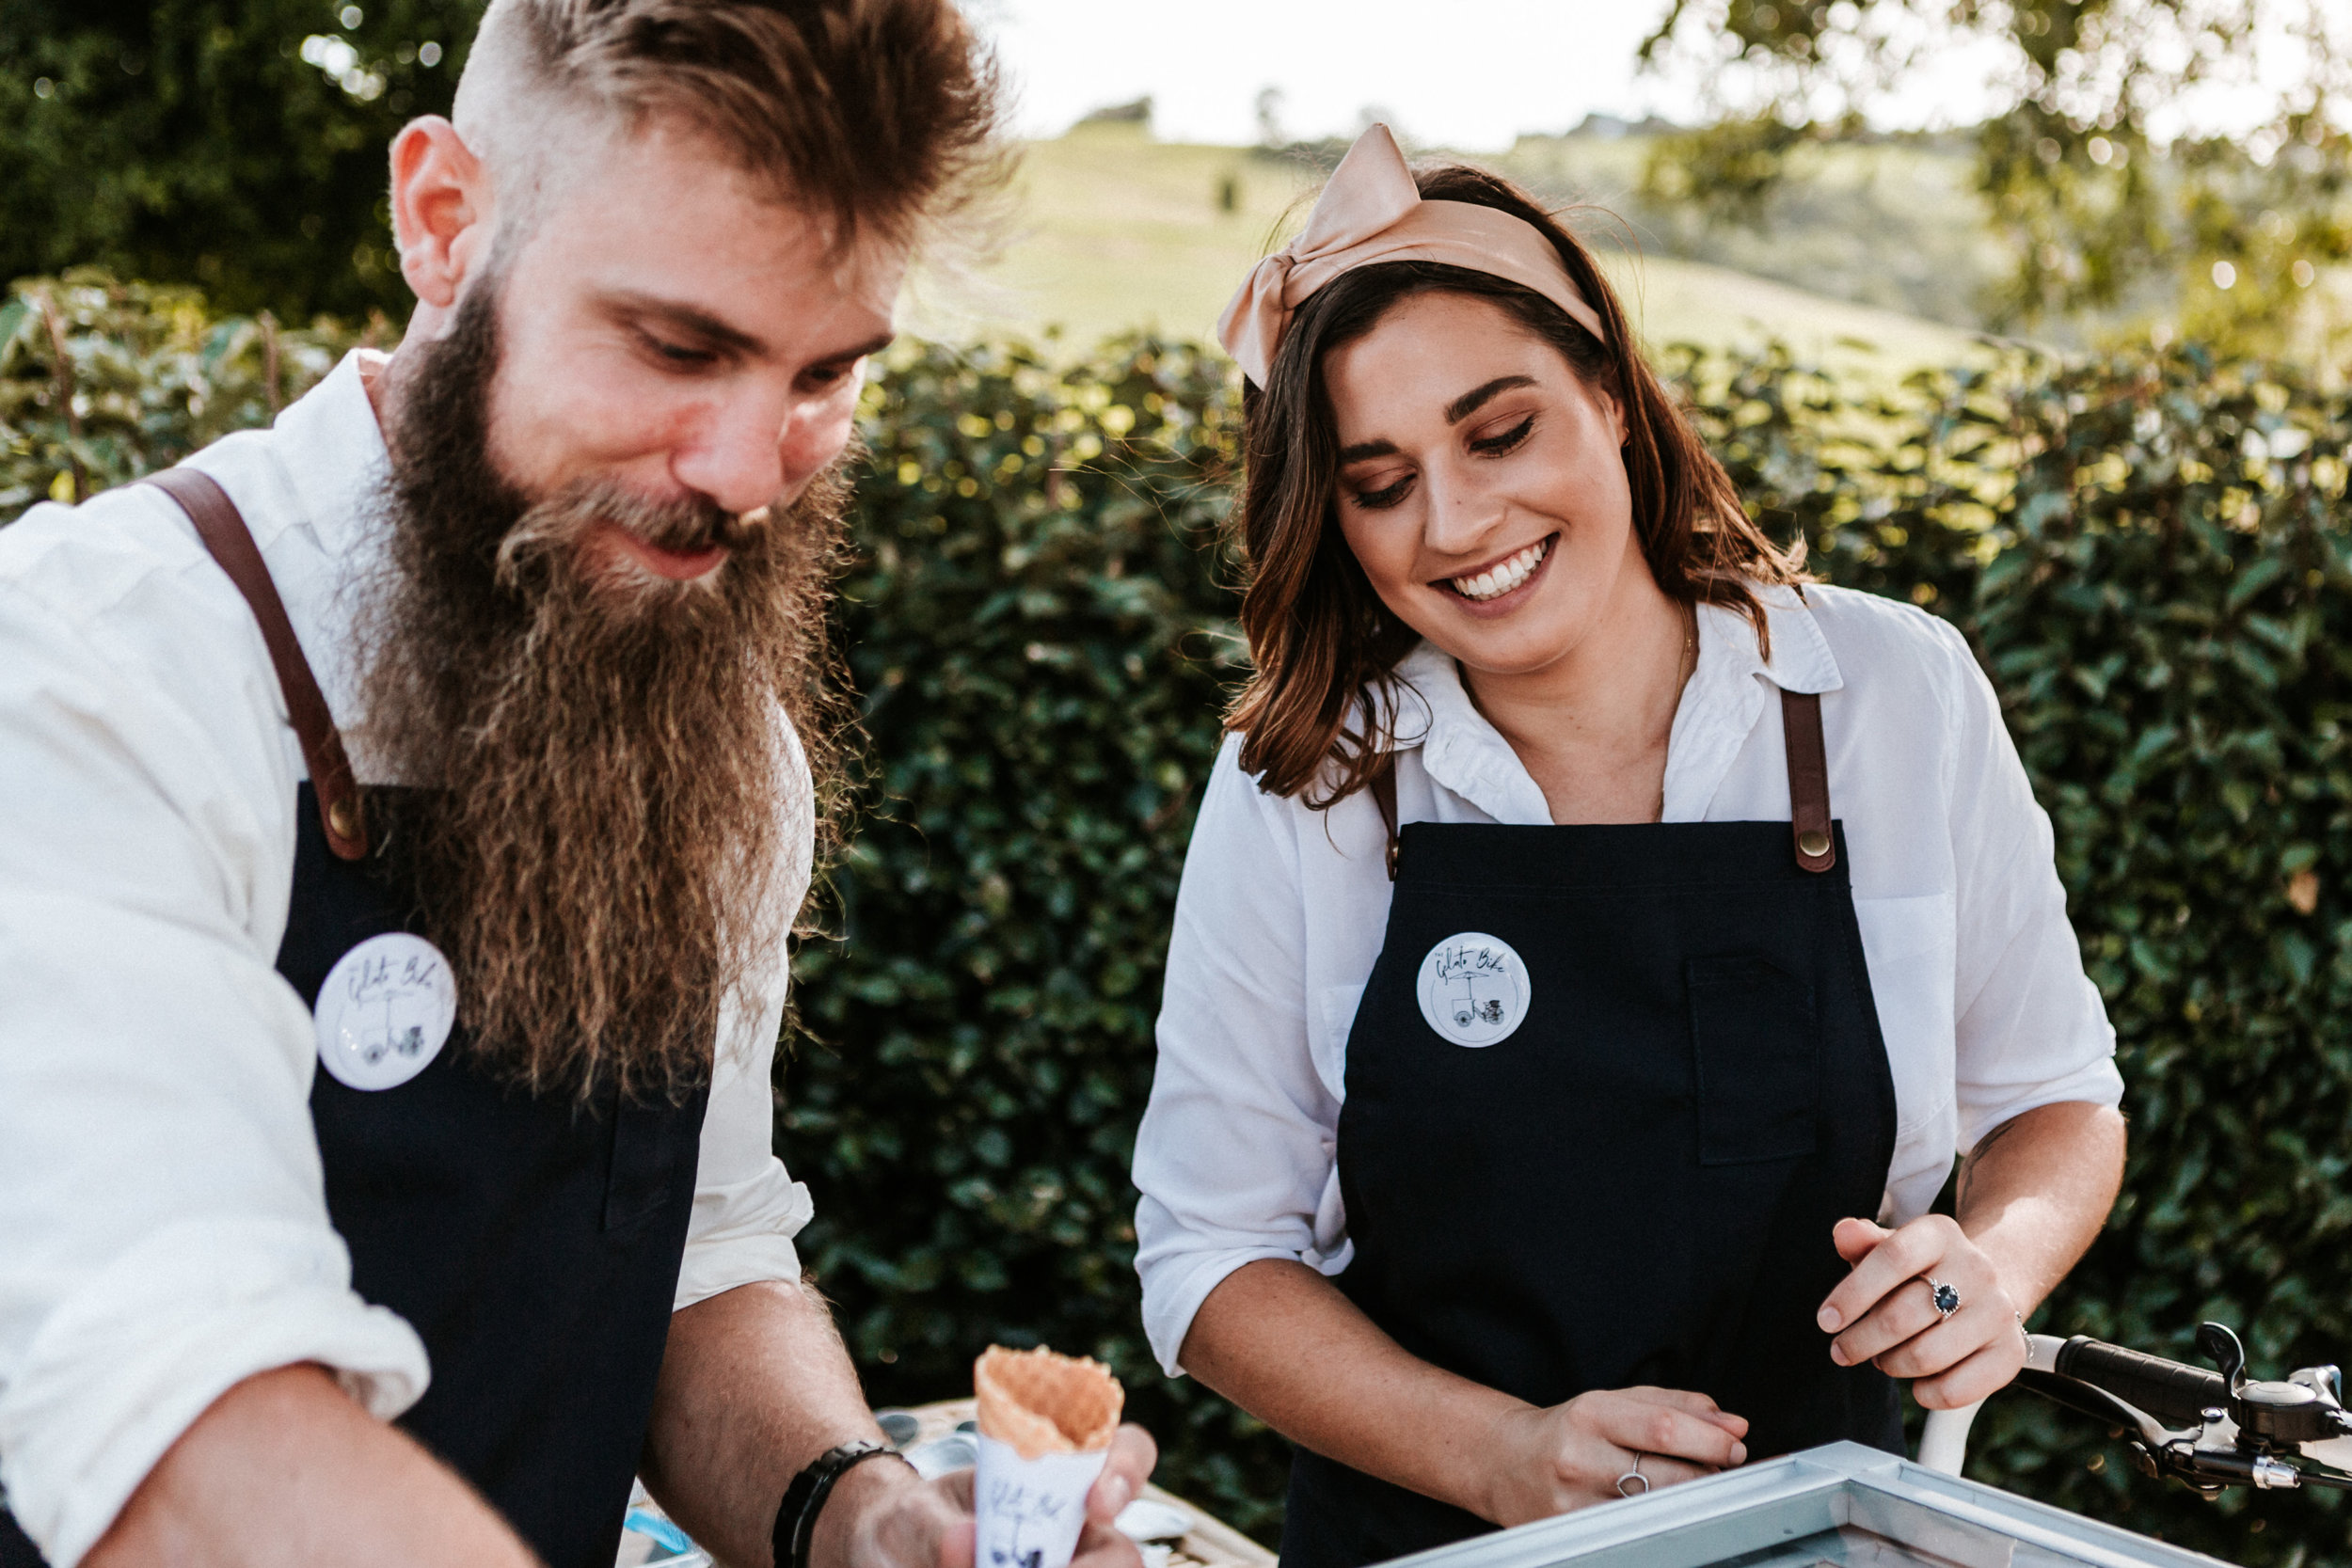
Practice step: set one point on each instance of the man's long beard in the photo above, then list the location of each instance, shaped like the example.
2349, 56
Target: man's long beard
610, 801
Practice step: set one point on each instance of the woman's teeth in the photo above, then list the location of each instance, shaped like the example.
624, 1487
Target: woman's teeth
1500, 578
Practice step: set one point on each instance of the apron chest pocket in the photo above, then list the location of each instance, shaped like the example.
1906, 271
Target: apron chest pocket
1758, 1055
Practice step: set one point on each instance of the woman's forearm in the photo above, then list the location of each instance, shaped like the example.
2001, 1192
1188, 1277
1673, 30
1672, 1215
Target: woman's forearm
2036, 1189
1280, 1340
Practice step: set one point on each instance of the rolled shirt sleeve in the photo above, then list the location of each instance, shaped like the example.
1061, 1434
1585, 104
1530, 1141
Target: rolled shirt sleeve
747, 1207
1234, 1156
2029, 1027
165, 1234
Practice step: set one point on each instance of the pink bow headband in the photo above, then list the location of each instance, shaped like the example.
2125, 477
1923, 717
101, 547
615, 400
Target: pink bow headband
1371, 211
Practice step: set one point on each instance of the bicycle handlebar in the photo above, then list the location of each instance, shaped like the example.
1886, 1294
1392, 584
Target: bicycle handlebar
2210, 1430
2176, 1395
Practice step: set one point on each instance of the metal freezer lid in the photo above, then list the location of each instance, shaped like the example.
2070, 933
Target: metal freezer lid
1842, 1504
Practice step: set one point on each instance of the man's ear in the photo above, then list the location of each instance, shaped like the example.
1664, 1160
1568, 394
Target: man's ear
441, 209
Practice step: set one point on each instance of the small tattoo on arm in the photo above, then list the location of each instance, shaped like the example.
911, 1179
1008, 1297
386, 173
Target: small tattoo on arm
1968, 1164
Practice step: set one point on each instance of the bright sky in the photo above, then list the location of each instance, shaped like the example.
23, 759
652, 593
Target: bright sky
1465, 73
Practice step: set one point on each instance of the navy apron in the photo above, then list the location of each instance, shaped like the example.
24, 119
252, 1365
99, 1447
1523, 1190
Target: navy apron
1638, 1184
533, 1241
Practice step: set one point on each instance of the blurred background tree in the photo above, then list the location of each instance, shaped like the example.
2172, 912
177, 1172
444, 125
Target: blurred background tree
2187, 159
233, 144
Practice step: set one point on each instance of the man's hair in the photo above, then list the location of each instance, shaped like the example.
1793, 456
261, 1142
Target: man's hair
882, 115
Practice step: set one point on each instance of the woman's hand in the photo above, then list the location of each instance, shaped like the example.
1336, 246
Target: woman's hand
1549, 1462
1884, 1313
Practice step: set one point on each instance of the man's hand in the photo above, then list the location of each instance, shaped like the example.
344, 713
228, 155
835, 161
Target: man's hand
899, 1522
1884, 1312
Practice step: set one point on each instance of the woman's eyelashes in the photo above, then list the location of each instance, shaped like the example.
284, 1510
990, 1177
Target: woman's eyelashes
1495, 446
1388, 496
1498, 444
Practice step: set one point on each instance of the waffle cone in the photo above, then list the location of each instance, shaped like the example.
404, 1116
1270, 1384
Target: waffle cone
1040, 1402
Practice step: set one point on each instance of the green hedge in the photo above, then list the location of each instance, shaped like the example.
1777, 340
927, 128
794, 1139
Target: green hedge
2148, 555
149, 374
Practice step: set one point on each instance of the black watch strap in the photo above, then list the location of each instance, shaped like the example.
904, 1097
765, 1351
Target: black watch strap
796, 1518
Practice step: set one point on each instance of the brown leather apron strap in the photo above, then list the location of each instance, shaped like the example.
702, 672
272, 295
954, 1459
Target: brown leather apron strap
223, 531
1384, 796
1808, 779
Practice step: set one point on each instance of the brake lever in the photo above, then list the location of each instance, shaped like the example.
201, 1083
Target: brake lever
2207, 1456
2088, 1399
2333, 1470
2150, 1439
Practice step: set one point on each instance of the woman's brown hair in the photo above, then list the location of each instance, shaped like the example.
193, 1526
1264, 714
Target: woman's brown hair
1320, 707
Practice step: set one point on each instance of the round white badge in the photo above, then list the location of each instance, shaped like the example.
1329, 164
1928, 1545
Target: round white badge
385, 1011
1473, 989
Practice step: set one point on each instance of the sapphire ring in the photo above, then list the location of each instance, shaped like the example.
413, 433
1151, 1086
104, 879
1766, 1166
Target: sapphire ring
1947, 1298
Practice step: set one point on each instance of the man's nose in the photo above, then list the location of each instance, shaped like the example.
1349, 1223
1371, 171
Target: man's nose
817, 433
735, 455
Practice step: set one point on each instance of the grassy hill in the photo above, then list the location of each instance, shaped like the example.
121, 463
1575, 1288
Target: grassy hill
1113, 230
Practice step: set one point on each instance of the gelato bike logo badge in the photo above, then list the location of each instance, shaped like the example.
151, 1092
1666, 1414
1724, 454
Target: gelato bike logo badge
385, 1011
1473, 989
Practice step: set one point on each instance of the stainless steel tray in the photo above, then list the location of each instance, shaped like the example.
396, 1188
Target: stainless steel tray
1842, 1504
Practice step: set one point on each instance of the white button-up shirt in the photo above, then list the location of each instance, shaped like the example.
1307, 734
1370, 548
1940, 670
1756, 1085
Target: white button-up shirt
1979, 985
165, 1232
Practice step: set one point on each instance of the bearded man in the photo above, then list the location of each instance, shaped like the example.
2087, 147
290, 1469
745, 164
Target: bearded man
408, 808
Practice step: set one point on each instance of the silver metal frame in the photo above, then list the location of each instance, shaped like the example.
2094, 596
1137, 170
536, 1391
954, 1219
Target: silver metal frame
1782, 1500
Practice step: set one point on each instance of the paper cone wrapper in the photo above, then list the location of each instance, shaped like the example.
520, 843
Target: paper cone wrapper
1046, 1423
1030, 1511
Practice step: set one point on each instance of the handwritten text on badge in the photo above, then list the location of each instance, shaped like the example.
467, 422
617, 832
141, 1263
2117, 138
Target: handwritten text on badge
385, 1011
1029, 1512
1474, 989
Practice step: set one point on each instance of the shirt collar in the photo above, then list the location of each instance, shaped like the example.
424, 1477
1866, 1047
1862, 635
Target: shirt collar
1801, 658
334, 453
1465, 754
1726, 698
1460, 749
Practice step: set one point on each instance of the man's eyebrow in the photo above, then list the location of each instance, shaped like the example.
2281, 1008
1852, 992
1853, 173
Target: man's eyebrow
1478, 397
703, 324
1362, 450
685, 318
864, 350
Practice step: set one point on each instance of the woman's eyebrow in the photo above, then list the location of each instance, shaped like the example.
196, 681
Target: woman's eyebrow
1478, 397
1455, 412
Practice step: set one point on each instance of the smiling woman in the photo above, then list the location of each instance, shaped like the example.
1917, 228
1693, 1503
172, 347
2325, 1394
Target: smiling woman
1323, 629
1591, 932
